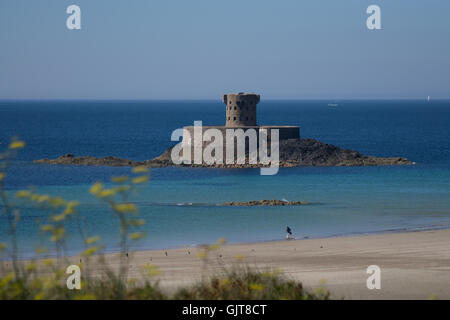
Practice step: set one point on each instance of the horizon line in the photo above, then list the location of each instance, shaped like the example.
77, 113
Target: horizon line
205, 99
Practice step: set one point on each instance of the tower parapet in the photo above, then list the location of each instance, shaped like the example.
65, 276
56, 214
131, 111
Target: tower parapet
241, 109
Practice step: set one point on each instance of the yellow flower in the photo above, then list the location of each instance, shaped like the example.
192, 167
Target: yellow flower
90, 251
140, 179
256, 287
120, 179
92, 240
56, 202
3, 246
268, 274
136, 235
107, 193
151, 270
47, 227
39, 296
201, 254
31, 267
140, 169
214, 247
96, 188
2, 175
137, 223
43, 198
125, 207
9, 277
23, 194
17, 144
59, 217
218, 244
70, 208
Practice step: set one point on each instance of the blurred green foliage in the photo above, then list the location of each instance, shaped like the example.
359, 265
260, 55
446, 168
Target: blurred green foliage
45, 278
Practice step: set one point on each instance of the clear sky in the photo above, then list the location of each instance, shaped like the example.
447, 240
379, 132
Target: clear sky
199, 49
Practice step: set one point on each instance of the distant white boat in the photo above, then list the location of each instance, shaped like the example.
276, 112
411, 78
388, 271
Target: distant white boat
428, 98
333, 105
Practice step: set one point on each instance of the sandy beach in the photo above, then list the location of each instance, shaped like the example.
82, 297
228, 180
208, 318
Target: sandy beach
414, 265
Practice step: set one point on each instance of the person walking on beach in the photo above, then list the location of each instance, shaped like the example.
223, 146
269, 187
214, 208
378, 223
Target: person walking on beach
289, 233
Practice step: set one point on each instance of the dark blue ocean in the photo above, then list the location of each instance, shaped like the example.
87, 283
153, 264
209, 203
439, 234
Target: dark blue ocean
180, 204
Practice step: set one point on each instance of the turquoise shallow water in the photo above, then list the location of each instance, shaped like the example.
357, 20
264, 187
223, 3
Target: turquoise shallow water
181, 204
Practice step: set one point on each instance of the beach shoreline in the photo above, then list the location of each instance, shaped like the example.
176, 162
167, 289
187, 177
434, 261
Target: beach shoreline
414, 265
72, 253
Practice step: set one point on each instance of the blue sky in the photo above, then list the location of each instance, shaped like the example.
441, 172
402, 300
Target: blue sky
199, 49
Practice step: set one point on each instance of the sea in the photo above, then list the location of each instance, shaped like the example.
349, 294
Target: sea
182, 206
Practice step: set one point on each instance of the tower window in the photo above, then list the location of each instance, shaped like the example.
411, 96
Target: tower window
234, 108
234, 119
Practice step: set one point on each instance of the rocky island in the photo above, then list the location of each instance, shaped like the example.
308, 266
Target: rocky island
294, 151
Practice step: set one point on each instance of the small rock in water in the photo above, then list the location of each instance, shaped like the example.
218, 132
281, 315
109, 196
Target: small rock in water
265, 203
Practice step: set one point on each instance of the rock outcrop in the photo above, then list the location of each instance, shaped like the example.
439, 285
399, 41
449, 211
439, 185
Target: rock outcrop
293, 153
70, 159
264, 203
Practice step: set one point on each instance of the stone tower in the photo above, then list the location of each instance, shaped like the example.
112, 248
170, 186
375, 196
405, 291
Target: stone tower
241, 109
